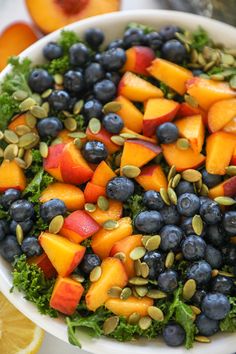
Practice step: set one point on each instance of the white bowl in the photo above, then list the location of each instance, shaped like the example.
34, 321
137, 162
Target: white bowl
113, 25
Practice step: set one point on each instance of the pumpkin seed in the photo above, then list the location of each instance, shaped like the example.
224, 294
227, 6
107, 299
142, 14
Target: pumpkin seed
144, 270
78, 107
197, 224
214, 273
80, 135
46, 107
30, 120
129, 135
95, 125
22, 130
56, 224
10, 137
171, 173
27, 140
114, 292
179, 256
110, 225
170, 258
189, 289
145, 322
19, 234
125, 293
227, 59
1, 135
155, 313
191, 101
137, 267
1, 152
138, 281
43, 149
201, 59
28, 157
118, 140
118, 159
135, 294
121, 256
164, 196
78, 143
20, 95
103, 203
208, 66
21, 152
145, 238
110, 324
77, 277
112, 107
226, 274
10, 152
231, 170
58, 78
170, 183
217, 77
27, 104
172, 195
176, 180
204, 190
134, 318
38, 112
67, 114
131, 171
37, 98
156, 294
56, 141
141, 290
198, 185
191, 175
232, 82
46, 93
21, 163
153, 243
137, 253
194, 56
95, 274
70, 124
195, 309
225, 200
182, 144
202, 339
90, 207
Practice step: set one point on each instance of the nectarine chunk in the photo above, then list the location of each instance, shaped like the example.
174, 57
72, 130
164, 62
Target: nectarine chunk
192, 128
113, 274
103, 240
114, 212
152, 177
102, 174
233, 159
11, 176
185, 110
131, 305
131, 115
230, 127
92, 192
138, 59
226, 188
43, 262
105, 138
52, 162
221, 113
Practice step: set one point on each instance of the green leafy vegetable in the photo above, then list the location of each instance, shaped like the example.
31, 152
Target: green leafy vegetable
37, 162
229, 323
67, 39
8, 107
3, 213
134, 205
200, 39
146, 29
40, 181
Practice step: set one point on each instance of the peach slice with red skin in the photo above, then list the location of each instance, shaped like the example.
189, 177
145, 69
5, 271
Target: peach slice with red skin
131, 115
152, 177
43, 262
114, 212
102, 174
125, 308
51, 163
92, 192
158, 111
226, 188
138, 59
113, 274
185, 110
11, 176
64, 255
220, 114
66, 295
78, 226
105, 138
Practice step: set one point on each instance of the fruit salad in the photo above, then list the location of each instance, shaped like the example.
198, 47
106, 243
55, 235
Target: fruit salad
118, 183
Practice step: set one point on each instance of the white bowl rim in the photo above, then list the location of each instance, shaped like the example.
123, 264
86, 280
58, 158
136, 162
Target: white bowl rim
57, 327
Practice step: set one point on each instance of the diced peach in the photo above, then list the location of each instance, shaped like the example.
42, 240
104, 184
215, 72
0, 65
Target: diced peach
78, 226
207, 92
113, 274
63, 254
193, 129
103, 240
182, 159
152, 177
102, 174
19, 120
230, 127
185, 110
51, 163
131, 115
138, 152
113, 213
221, 113
72, 196
92, 192
158, 111
138, 59
44, 263
226, 188
131, 305
152, 140
233, 159
64, 137
66, 295
135, 88
219, 151
105, 138
126, 245
173, 75
11, 176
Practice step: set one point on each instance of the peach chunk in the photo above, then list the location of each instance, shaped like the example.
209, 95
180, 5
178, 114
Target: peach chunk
92, 192
66, 295
230, 127
135, 88
226, 188
192, 128
233, 159
171, 74
105, 138
185, 110
113, 274
102, 174
131, 305
152, 177
44, 263
138, 59
221, 113
51, 163
103, 240
114, 212
131, 115
11, 176
63, 254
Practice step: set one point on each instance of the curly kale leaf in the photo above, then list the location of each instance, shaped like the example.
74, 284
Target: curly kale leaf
146, 29
229, 323
8, 107
40, 181
134, 205
200, 39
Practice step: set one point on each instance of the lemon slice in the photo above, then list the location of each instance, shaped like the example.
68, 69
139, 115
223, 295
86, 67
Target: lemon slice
18, 335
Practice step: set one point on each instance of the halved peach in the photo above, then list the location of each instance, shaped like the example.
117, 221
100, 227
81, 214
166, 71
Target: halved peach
138, 59
221, 113
11, 176
114, 212
131, 305
193, 129
131, 115
43, 262
92, 192
230, 127
152, 177
226, 188
51, 163
102, 174
105, 138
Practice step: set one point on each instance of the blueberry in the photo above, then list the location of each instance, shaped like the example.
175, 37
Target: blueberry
167, 133
117, 43
174, 335
78, 54
31, 247
198, 297
215, 306
49, 127
168, 281
206, 326
173, 50
113, 59
94, 37
133, 37
59, 100
148, 222
90, 261
154, 40
193, 248
21, 210
94, 151
10, 196
104, 90
153, 200
203, 200
52, 208
210, 212
92, 108
188, 204
229, 254
155, 263
197, 72
187, 227
25, 225
170, 215
93, 73
210, 180
113, 123
114, 77
215, 235
40, 80
229, 222
223, 285
199, 271
52, 51
184, 187
9, 248
171, 237
4, 229
169, 32
213, 256
120, 188
73, 81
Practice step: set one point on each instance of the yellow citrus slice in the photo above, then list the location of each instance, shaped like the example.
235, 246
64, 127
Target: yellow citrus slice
18, 335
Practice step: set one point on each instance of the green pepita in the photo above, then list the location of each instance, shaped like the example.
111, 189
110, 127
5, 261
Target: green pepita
78, 143
27, 104
138, 281
19, 234
21, 163
231, 170
125, 293
156, 294
189, 289
225, 200
197, 224
10, 137
141, 290
95, 125
232, 82
20, 95
191, 175
131, 171
46, 93
227, 59
90, 207
202, 339
103, 203
204, 190
21, 153
95, 274
22, 130
28, 158
195, 309
217, 77
155, 313
1, 152
37, 98
110, 225
56, 224
114, 292
176, 180
164, 196
144, 270
137, 253
27, 140
112, 107
1, 135
38, 112
70, 124
137, 267
78, 277
118, 159
172, 195
46, 107
58, 78
170, 258
129, 135
134, 318
43, 149
118, 140
145, 322
31, 121
182, 144
191, 101
80, 135
179, 256
110, 324
153, 243
78, 107
121, 256
10, 152
226, 274
209, 65
171, 173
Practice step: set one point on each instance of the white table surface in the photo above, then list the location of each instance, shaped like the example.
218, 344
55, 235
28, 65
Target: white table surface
14, 10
